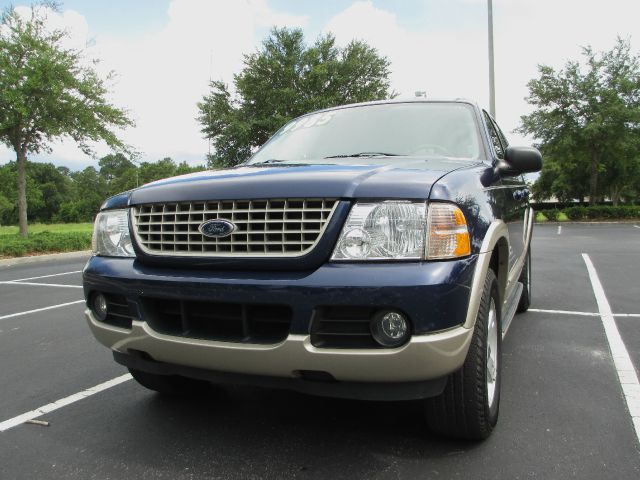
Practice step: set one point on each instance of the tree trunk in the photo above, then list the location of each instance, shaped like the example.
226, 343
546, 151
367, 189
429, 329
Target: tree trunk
593, 178
22, 191
615, 195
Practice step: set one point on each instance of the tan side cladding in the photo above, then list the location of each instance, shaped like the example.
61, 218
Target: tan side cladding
496, 230
424, 357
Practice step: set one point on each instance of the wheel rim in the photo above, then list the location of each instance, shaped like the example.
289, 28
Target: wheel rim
492, 353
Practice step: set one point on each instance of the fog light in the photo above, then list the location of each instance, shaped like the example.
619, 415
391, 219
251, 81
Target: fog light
389, 328
99, 305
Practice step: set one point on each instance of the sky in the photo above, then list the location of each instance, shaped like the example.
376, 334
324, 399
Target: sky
165, 51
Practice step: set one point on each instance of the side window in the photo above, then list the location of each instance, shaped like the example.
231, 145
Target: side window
495, 136
503, 139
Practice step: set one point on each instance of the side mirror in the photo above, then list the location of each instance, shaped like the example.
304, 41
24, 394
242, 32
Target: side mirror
519, 160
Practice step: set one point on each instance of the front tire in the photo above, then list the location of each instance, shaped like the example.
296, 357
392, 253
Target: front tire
169, 385
468, 407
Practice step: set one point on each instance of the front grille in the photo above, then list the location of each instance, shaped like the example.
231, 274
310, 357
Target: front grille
275, 227
343, 327
226, 322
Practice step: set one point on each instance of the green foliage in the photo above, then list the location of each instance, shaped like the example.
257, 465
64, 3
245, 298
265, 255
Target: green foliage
540, 217
283, 80
576, 213
118, 172
551, 215
5, 205
593, 212
587, 123
57, 194
13, 245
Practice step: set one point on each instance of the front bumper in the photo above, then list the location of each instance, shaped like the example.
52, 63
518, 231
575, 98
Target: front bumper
424, 357
435, 295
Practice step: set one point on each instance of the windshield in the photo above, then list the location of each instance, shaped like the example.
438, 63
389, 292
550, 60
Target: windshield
403, 129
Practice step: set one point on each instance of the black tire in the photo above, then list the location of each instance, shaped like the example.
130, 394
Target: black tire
170, 385
464, 409
525, 279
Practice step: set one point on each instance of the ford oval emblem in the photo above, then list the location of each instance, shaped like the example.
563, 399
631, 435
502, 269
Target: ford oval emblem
218, 228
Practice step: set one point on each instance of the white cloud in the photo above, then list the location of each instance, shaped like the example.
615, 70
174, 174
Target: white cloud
444, 63
451, 61
70, 20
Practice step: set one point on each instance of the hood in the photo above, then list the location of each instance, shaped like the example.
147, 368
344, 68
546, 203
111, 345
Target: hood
405, 178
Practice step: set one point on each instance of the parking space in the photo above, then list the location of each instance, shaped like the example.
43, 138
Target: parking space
563, 412
18, 298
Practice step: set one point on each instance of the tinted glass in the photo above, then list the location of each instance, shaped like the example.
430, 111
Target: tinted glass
411, 129
503, 139
495, 136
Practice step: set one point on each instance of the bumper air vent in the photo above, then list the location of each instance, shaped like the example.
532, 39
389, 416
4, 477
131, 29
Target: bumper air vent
226, 322
343, 327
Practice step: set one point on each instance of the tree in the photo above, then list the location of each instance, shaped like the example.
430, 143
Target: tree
47, 92
283, 80
149, 172
88, 192
587, 120
119, 172
54, 188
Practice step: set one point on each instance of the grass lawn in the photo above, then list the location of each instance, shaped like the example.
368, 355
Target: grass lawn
53, 227
60, 237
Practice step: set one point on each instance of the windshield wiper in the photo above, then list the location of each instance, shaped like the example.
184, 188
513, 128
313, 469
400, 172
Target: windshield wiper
366, 154
270, 160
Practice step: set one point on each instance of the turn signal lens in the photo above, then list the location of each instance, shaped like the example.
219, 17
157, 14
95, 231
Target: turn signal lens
448, 236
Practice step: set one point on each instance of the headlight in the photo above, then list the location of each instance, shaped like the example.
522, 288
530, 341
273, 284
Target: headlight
111, 236
396, 230
383, 231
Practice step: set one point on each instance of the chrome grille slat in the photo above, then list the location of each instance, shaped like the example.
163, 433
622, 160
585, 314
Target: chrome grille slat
274, 227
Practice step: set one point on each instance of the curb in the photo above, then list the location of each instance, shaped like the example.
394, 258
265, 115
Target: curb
568, 222
44, 258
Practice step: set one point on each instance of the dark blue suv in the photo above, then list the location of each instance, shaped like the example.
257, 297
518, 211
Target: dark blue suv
370, 251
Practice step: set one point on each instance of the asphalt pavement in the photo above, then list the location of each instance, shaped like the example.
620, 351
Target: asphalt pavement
563, 414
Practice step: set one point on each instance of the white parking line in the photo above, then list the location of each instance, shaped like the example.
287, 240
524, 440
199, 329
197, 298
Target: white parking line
564, 312
63, 402
583, 314
19, 314
626, 371
45, 276
14, 282
559, 229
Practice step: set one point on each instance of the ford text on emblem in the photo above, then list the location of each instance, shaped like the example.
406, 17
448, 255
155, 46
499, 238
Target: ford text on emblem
217, 228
